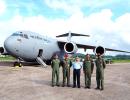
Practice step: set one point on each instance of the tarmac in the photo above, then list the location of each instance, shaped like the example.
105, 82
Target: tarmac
34, 83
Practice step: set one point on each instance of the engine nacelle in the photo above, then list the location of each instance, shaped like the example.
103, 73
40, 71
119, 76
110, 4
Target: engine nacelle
70, 47
99, 49
3, 51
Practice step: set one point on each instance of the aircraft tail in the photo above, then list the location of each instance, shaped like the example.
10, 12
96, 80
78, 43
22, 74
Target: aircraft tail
70, 34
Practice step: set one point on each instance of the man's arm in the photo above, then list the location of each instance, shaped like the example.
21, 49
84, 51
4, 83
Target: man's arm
70, 62
104, 64
83, 66
92, 66
52, 64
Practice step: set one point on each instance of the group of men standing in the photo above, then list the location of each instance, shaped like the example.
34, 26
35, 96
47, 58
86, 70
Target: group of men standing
87, 64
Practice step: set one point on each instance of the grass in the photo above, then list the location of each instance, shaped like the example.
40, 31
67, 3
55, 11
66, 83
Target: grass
122, 61
9, 58
6, 58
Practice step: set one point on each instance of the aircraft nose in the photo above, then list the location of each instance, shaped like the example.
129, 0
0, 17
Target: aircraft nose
8, 44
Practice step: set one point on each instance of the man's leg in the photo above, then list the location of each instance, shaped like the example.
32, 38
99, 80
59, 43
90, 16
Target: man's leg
74, 78
68, 77
78, 78
85, 79
98, 80
102, 80
89, 79
57, 77
53, 77
64, 77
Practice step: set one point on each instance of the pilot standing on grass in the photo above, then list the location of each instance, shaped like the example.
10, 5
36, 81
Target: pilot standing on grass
55, 65
77, 65
100, 66
66, 70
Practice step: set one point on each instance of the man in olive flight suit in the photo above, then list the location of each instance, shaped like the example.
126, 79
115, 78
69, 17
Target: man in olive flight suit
100, 66
66, 70
87, 71
55, 64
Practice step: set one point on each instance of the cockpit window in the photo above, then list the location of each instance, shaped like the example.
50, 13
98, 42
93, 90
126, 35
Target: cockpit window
21, 35
15, 34
26, 36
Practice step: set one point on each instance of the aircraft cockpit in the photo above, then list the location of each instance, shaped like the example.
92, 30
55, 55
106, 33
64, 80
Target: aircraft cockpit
21, 35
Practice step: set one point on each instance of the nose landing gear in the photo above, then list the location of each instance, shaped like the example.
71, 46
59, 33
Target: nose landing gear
18, 63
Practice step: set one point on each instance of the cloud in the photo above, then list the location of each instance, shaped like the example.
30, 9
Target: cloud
100, 26
72, 6
122, 26
2, 7
98, 3
68, 7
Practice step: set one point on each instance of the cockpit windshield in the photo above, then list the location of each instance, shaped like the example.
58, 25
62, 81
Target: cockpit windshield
21, 35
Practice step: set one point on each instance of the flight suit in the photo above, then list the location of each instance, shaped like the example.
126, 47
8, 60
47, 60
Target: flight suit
87, 73
92, 66
100, 66
55, 64
66, 71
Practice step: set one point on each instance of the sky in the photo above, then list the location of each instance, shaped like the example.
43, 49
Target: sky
106, 21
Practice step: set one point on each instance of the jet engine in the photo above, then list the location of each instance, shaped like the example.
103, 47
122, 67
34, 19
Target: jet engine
99, 49
1, 50
70, 47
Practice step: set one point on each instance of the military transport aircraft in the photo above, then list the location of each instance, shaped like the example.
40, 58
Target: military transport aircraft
30, 46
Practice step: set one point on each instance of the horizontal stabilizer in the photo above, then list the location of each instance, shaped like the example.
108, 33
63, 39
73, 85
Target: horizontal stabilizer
72, 34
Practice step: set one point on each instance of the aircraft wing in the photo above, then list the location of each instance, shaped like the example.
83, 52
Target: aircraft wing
108, 49
62, 43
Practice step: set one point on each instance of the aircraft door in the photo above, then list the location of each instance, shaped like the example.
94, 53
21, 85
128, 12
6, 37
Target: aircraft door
39, 58
40, 52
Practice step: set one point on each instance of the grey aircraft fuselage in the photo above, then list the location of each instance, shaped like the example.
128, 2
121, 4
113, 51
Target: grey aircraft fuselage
26, 45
